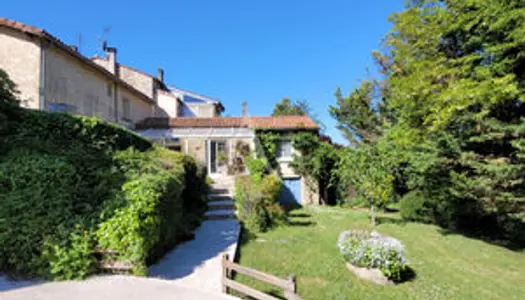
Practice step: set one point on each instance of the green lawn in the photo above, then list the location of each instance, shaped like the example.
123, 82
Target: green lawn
446, 266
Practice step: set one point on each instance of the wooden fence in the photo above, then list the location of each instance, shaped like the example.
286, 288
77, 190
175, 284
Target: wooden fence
228, 267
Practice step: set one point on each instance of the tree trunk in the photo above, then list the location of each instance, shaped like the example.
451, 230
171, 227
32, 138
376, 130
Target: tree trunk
373, 215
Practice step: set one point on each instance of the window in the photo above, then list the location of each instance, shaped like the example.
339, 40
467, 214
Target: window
126, 109
284, 149
110, 89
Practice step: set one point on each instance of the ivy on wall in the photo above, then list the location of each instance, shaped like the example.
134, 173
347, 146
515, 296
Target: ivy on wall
268, 142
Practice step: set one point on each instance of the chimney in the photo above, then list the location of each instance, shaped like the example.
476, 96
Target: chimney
111, 53
244, 109
160, 75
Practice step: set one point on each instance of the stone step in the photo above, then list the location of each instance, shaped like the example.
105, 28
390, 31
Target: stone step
221, 204
219, 197
220, 214
219, 191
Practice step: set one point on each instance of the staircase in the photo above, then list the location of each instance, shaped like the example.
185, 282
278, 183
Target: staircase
220, 199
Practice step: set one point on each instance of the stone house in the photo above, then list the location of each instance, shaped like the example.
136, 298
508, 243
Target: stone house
217, 142
53, 76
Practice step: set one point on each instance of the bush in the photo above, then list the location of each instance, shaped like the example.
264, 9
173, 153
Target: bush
64, 130
38, 196
70, 184
414, 206
256, 202
158, 206
371, 250
258, 167
257, 220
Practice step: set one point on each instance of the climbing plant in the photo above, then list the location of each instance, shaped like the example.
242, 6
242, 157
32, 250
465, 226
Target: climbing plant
268, 143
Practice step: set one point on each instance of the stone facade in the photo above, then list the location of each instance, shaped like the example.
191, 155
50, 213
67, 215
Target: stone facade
139, 80
20, 57
84, 90
196, 147
138, 110
52, 76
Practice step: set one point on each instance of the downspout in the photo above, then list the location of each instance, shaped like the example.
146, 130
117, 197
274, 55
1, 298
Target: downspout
42, 88
115, 100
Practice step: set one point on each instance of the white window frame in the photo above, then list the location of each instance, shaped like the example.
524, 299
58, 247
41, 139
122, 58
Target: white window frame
278, 151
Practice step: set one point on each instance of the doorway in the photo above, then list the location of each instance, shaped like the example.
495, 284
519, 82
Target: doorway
217, 156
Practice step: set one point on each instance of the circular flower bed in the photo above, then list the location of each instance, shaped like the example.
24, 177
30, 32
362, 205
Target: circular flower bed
372, 250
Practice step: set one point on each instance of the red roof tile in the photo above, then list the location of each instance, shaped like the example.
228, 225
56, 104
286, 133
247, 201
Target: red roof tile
278, 123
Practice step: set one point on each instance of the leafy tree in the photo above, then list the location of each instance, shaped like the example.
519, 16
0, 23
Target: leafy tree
454, 82
359, 120
8, 91
288, 107
368, 170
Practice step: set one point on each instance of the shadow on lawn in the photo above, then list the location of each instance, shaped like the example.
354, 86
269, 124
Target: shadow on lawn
390, 220
486, 237
406, 276
304, 219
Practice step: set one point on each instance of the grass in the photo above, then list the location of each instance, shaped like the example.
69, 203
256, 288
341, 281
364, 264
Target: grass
446, 266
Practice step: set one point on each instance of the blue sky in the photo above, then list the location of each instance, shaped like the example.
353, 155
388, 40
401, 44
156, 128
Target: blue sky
258, 51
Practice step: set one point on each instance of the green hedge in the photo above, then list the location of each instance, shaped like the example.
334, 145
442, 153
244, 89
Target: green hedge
64, 130
71, 184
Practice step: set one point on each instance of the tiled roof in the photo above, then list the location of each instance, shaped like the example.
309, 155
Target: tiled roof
49, 37
277, 123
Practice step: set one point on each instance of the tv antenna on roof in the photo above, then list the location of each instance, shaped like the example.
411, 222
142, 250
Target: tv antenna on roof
102, 40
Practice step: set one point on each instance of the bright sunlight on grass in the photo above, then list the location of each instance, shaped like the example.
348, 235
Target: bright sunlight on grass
446, 266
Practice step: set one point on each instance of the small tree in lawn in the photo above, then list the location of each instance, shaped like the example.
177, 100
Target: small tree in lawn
368, 170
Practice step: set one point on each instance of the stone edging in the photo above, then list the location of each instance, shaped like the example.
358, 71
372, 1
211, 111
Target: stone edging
373, 275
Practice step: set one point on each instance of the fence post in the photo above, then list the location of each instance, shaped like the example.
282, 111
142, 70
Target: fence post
290, 291
225, 258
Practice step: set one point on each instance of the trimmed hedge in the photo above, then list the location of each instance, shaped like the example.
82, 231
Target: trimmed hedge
65, 129
72, 184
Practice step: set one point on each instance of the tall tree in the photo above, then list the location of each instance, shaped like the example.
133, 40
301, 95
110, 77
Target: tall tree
288, 107
453, 74
358, 116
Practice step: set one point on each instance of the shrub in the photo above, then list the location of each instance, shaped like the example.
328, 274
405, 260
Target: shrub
257, 220
64, 130
70, 184
257, 167
72, 257
39, 197
415, 207
256, 202
372, 250
270, 187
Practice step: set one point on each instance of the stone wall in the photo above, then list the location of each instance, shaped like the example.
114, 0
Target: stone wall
138, 80
69, 81
140, 109
195, 147
20, 57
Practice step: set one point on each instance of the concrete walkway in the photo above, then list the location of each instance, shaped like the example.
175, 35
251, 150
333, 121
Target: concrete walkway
110, 288
197, 263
